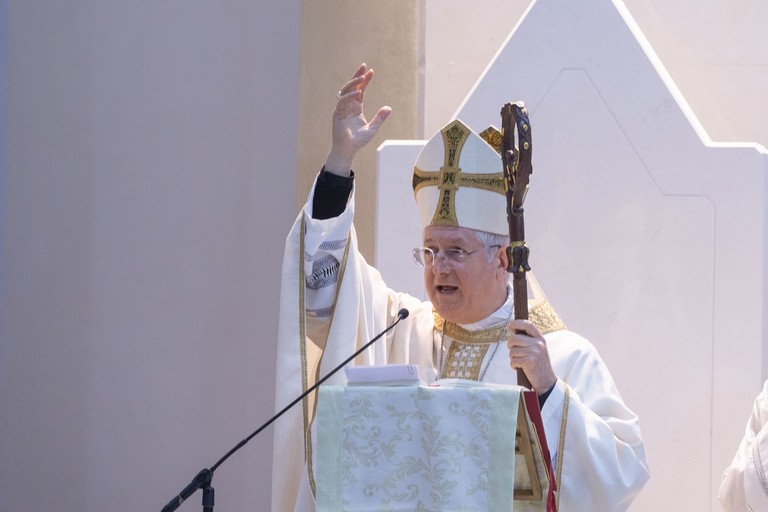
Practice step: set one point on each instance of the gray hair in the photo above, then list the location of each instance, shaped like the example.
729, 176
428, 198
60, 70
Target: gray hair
491, 239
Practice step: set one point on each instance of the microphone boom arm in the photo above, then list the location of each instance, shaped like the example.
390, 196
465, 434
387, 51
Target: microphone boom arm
204, 478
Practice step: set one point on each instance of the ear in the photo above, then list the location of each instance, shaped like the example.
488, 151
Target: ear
502, 260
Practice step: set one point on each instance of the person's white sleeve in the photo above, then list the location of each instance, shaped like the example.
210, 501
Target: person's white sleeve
744, 485
324, 244
602, 453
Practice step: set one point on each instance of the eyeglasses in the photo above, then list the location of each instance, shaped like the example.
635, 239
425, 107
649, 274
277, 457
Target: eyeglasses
425, 257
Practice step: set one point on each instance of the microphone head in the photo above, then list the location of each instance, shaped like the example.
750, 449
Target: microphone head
403, 313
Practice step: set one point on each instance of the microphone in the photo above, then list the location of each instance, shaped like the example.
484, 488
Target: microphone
204, 478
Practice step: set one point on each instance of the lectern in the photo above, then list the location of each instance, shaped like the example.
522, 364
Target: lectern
460, 446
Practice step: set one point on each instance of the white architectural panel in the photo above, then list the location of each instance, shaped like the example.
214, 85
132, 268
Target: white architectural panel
647, 237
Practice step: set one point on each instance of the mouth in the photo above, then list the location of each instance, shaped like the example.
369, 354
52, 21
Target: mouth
445, 289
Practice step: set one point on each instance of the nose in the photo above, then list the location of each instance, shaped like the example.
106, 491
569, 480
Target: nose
440, 265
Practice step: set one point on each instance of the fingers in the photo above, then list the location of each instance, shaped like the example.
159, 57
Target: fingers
525, 327
525, 344
350, 102
350, 88
351, 130
358, 82
361, 70
528, 352
379, 118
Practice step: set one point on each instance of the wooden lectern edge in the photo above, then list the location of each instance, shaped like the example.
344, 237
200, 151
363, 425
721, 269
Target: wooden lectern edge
532, 447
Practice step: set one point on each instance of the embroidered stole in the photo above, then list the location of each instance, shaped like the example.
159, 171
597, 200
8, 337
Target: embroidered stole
469, 348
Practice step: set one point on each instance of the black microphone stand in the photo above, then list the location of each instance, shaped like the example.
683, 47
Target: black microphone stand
204, 478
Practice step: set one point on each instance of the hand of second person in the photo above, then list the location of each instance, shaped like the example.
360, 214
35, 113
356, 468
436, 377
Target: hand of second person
528, 352
351, 130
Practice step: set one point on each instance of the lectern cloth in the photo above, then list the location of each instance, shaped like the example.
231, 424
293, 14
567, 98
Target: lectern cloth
408, 448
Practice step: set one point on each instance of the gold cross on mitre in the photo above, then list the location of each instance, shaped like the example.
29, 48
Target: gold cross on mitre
451, 177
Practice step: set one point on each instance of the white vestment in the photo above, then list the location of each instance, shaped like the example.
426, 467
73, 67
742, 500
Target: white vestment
744, 485
331, 297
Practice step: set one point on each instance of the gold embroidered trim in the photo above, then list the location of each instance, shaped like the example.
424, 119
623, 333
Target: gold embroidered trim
542, 314
468, 349
454, 137
422, 179
492, 181
302, 340
450, 178
561, 445
492, 136
464, 360
545, 318
458, 333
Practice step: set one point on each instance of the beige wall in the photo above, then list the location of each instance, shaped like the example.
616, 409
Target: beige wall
337, 35
459, 43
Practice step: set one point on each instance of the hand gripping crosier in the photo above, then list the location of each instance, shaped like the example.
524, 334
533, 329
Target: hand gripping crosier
516, 163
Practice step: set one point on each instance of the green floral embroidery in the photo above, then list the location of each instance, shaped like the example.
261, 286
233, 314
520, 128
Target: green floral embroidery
442, 449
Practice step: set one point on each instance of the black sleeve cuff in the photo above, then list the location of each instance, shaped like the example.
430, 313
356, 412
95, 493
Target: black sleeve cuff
543, 397
331, 195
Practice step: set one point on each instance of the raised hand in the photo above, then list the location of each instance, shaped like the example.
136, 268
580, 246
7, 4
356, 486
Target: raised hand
351, 130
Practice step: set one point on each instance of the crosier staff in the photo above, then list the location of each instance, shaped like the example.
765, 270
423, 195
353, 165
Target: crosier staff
516, 163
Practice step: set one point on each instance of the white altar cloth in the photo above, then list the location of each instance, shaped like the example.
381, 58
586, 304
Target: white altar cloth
409, 448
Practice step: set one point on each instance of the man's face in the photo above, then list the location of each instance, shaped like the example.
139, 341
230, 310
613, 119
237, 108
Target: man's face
467, 292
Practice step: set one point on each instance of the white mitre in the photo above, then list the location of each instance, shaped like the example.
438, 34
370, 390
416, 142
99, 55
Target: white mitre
458, 181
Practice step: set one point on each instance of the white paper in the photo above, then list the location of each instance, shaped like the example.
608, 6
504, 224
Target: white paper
384, 375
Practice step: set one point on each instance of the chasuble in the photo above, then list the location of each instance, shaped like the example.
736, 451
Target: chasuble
333, 302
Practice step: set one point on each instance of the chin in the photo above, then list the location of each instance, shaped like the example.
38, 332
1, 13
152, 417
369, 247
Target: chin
451, 314
450, 310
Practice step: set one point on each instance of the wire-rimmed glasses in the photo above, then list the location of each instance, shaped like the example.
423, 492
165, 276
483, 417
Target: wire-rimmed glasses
454, 257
